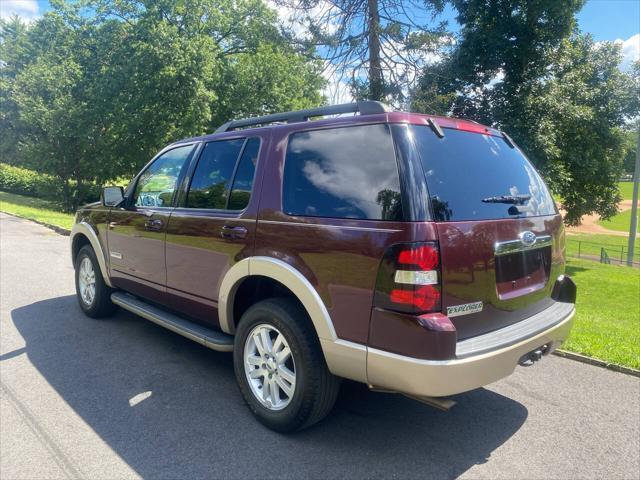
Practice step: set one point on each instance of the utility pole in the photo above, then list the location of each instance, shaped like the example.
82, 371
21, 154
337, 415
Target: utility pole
634, 206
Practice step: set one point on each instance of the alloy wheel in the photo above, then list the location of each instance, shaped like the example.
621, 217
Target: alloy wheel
87, 281
270, 367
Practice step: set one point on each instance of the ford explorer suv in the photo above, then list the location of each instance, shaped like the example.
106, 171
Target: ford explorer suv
416, 254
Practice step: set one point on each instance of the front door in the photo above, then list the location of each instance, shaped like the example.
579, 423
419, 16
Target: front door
136, 231
213, 227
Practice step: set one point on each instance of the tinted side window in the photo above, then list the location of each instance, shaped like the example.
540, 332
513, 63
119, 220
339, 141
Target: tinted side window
157, 184
343, 172
212, 178
243, 181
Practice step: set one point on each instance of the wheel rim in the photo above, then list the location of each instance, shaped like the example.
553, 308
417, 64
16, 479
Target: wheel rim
87, 281
269, 367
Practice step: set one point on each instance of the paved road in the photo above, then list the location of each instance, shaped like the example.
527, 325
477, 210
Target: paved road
67, 411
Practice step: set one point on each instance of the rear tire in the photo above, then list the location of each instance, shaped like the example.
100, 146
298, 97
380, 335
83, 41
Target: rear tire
306, 390
94, 296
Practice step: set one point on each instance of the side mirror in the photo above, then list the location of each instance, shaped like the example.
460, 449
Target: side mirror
112, 196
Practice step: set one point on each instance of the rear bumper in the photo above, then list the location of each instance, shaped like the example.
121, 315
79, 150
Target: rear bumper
473, 367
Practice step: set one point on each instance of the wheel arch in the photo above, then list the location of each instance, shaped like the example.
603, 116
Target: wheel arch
344, 358
83, 234
284, 274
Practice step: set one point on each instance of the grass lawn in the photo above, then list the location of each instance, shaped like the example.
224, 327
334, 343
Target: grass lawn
607, 322
620, 221
34, 209
590, 244
626, 190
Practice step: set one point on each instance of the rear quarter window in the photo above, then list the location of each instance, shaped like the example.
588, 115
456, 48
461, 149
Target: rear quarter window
348, 172
464, 168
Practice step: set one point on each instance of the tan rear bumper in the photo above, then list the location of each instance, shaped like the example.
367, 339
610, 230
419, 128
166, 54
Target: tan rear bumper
390, 371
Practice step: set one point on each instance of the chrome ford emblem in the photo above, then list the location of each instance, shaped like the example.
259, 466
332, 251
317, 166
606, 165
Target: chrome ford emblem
528, 238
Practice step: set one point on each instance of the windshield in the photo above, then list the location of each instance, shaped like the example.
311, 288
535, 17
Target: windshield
472, 176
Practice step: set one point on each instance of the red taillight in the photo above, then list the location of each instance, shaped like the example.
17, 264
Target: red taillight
424, 298
424, 256
409, 278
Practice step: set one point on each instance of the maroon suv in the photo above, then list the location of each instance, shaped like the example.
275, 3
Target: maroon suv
417, 254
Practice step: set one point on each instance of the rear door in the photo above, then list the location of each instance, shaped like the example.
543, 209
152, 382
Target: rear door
214, 225
501, 237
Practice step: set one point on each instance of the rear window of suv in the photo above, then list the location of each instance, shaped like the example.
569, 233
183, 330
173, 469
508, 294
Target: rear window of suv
348, 172
472, 176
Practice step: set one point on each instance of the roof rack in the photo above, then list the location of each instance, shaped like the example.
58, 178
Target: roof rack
366, 107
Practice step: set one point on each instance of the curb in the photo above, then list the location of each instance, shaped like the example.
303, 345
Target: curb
55, 228
598, 363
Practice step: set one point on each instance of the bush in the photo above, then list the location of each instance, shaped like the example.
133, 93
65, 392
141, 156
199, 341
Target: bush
28, 182
35, 184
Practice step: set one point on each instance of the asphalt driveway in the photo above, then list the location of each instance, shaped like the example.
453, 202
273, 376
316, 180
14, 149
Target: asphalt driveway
124, 398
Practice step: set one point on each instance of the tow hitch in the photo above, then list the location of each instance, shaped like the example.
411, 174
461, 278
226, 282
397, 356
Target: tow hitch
530, 358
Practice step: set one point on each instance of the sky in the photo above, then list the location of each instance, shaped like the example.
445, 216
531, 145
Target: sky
613, 20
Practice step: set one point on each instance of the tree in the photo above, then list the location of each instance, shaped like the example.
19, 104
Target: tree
579, 113
504, 47
560, 96
103, 84
378, 45
14, 48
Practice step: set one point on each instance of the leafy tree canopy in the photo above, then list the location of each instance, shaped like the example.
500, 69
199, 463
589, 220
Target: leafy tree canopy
521, 66
93, 89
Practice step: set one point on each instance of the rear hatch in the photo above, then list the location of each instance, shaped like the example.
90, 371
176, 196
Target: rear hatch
501, 237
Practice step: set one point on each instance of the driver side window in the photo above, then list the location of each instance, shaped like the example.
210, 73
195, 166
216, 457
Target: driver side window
157, 184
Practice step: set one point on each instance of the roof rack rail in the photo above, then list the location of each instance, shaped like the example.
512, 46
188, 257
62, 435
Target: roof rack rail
366, 107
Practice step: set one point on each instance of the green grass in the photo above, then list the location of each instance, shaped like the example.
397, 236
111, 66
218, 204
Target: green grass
607, 322
626, 190
590, 244
34, 209
620, 222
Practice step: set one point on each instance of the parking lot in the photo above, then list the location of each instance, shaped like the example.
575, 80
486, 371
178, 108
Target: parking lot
124, 398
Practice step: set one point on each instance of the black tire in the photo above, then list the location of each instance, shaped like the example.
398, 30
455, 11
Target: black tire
316, 388
101, 306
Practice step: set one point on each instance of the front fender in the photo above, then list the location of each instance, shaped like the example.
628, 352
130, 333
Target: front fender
86, 230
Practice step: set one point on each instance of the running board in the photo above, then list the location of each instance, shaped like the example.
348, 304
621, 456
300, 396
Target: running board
208, 337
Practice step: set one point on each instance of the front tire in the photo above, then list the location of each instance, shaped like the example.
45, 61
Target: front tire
94, 296
280, 367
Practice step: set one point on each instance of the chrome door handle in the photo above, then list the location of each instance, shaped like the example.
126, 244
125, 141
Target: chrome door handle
154, 224
228, 231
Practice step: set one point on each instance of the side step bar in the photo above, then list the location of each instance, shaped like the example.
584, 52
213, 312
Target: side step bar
204, 336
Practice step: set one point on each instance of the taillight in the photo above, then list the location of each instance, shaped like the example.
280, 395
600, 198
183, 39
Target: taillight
409, 278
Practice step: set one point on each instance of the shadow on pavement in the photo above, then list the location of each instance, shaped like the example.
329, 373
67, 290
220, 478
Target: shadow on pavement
195, 424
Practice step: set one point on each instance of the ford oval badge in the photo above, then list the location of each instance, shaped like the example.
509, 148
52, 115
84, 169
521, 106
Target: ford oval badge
528, 238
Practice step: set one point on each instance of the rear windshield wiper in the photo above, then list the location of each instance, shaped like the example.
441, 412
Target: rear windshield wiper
513, 199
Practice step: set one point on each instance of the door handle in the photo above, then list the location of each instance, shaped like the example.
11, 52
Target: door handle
228, 231
154, 224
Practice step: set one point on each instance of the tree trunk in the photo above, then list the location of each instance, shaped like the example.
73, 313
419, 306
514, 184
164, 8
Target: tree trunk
66, 194
376, 84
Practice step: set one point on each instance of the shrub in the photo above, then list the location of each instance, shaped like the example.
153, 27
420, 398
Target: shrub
28, 182
35, 184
